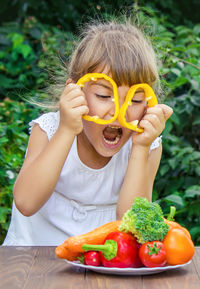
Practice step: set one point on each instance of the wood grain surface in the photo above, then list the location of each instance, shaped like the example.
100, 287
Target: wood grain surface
39, 268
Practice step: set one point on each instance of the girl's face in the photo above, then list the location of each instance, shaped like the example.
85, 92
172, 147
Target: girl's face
107, 140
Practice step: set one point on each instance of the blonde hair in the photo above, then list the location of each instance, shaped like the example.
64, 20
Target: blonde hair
120, 47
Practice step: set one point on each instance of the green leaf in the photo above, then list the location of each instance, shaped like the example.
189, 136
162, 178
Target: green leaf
176, 200
164, 169
192, 192
4, 212
195, 232
196, 29
173, 163
16, 38
197, 120
35, 33
176, 71
25, 50
185, 151
195, 101
175, 119
3, 140
168, 128
5, 81
197, 171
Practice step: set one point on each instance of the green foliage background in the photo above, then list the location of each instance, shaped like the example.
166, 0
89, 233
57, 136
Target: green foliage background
28, 42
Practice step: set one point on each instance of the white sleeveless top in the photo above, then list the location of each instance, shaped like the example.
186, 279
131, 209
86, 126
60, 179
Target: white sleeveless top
83, 198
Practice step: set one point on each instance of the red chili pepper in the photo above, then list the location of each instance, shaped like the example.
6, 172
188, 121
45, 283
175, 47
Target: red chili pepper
153, 254
119, 250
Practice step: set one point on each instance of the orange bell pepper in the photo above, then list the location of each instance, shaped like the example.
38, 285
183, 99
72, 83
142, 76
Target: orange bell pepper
172, 224
120, 113
179, 247
178, 243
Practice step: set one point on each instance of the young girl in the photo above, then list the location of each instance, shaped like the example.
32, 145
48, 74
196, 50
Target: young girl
77, 174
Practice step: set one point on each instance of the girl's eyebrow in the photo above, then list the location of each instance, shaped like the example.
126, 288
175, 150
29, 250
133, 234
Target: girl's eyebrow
139, 91
111, 89
103, 85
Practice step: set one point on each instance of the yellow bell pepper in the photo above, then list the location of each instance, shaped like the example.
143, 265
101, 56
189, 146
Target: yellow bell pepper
120, 113
150, 98
94, 76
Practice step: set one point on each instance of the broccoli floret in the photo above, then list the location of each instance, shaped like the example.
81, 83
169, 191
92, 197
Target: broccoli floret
145, 221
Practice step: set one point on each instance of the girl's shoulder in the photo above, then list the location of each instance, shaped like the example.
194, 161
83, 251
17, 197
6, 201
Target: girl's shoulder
48, 122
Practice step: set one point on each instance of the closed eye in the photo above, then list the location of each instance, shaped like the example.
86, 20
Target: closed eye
102, 96
137, 101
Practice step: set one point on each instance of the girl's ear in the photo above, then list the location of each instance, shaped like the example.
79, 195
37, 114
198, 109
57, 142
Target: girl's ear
69, 80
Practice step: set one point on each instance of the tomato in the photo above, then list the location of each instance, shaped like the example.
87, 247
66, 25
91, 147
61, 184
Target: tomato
153, 254
91, 258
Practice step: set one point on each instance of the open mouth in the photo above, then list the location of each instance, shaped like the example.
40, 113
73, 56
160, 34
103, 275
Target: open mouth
112, 134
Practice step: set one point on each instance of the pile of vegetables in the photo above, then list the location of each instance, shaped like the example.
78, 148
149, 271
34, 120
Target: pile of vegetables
142, 238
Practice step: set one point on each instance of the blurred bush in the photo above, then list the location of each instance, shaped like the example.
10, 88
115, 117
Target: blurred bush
68, 14
177, 182
23, 53
25, 50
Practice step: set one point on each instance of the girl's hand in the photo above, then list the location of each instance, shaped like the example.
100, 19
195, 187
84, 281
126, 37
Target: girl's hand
73, 106
153, 124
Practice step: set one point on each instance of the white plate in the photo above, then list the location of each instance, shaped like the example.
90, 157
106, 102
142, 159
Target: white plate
126, 271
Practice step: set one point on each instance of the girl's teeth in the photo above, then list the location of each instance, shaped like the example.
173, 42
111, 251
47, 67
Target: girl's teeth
112, 142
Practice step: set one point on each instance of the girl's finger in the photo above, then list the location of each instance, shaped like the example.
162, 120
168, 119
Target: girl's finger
158, 122
156, 110
147, 126
71, 91
167, 110
161, 109
81, 110
78, 101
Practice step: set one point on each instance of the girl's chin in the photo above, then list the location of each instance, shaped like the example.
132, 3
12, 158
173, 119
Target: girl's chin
109, 148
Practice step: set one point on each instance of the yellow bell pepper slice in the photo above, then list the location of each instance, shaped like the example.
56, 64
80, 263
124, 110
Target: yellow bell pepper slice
94, 76
120, 113
151, 101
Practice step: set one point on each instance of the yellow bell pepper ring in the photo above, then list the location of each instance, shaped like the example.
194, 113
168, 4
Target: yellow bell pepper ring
120, 113
93, 77
151, 101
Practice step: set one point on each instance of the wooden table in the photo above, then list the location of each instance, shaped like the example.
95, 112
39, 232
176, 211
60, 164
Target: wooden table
39, 268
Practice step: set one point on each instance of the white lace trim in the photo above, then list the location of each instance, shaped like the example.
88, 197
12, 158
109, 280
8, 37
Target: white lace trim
48, 122
156, 143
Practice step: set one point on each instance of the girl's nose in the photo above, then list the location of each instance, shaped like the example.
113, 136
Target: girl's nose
121, 101
112, 109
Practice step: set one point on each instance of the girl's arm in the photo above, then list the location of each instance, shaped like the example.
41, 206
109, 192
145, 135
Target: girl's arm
45, 159
143, 165
41, 169
140, 176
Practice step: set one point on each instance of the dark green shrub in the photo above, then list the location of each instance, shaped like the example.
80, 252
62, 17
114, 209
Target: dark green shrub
25, 51
14, 117
177, 182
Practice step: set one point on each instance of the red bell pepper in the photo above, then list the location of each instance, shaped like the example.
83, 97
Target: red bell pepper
119, 250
